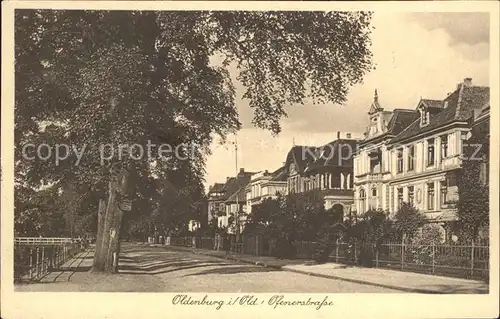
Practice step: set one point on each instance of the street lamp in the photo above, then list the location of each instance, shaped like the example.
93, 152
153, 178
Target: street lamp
237, 215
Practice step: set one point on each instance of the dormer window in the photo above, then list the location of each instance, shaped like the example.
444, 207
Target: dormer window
424, 116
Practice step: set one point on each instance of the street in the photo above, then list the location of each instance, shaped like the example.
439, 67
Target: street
160, 269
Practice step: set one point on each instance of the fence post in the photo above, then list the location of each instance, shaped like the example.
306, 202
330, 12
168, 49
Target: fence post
31, 263
337, 250
433, 256
402, 252
376, 256
257, 245
472, 259
43, 259
355, 250
37, 262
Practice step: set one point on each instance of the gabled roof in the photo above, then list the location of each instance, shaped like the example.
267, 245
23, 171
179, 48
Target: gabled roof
240, 194
338, 153
301, 156
459, 108
236, 184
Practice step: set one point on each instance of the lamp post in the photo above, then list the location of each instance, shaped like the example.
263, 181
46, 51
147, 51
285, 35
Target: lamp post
237, 215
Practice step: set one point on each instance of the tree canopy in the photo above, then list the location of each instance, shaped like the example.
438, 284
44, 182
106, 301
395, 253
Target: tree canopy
95, 80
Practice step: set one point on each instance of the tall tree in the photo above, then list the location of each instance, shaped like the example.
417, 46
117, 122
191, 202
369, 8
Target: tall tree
103, 78
473, 206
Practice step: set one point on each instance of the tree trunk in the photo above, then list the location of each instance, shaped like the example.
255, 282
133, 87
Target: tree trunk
106, 257
101, 215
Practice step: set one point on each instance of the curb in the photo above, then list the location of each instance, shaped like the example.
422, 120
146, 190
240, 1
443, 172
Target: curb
285, 268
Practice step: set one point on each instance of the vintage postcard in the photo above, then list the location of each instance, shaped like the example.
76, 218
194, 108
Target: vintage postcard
195, 159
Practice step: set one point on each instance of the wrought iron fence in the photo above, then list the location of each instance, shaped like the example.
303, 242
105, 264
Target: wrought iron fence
465, 261
35, 257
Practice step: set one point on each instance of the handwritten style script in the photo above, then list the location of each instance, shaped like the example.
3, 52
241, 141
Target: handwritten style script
250, 300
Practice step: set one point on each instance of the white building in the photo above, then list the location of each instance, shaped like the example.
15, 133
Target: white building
265, 185
414, 155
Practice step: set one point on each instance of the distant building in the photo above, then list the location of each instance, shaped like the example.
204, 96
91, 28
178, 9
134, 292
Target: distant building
328, 168
414, 155
265, 185
225, 199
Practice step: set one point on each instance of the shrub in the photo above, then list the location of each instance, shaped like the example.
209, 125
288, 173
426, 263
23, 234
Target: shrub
408, 220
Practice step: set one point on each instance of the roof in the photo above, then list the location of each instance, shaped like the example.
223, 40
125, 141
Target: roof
218, 187
460, 108
236, 184
375, 107
338, 153
400, 120
240, 194
437, 104
279, 175
301, 156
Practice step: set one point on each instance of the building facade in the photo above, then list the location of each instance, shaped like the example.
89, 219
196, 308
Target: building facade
328, 168
265, 185
228, 199
417, 158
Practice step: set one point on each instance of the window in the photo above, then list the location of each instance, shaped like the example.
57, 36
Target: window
430, 152
400, 197
430, 196
400, 160
362, 200
411, 195
374, 192
444, 192
411, 157
444, 146
424, 116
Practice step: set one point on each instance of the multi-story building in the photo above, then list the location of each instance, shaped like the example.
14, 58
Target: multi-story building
328, 168
372, 162
215, 199
420, 159
265, 185
225, 200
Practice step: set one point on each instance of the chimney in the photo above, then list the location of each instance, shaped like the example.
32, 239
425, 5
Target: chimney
348, 135
227, 178
338, 134
242, 170
468, 82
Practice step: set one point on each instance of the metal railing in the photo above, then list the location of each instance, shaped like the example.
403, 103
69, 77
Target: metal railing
35, 258
464, 261
43, 240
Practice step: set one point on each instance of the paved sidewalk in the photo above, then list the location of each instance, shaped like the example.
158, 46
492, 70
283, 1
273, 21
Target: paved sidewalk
404, 281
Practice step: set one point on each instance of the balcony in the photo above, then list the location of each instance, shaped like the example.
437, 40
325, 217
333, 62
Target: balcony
370, 177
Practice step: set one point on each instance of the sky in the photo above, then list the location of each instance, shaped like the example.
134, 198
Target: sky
416, 55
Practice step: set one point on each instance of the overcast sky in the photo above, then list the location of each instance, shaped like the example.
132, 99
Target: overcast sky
416, 55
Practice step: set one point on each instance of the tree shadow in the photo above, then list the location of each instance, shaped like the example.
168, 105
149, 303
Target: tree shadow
158, 271
233, 270
455, 289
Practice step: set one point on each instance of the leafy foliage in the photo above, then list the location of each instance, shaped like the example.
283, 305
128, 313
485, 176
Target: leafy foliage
94, 78
408, 220
473, 193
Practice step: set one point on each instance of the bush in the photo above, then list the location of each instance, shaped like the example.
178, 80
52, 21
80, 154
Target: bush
408, 220
325, 246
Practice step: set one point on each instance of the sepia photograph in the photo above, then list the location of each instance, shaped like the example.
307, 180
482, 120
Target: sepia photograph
209, 151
